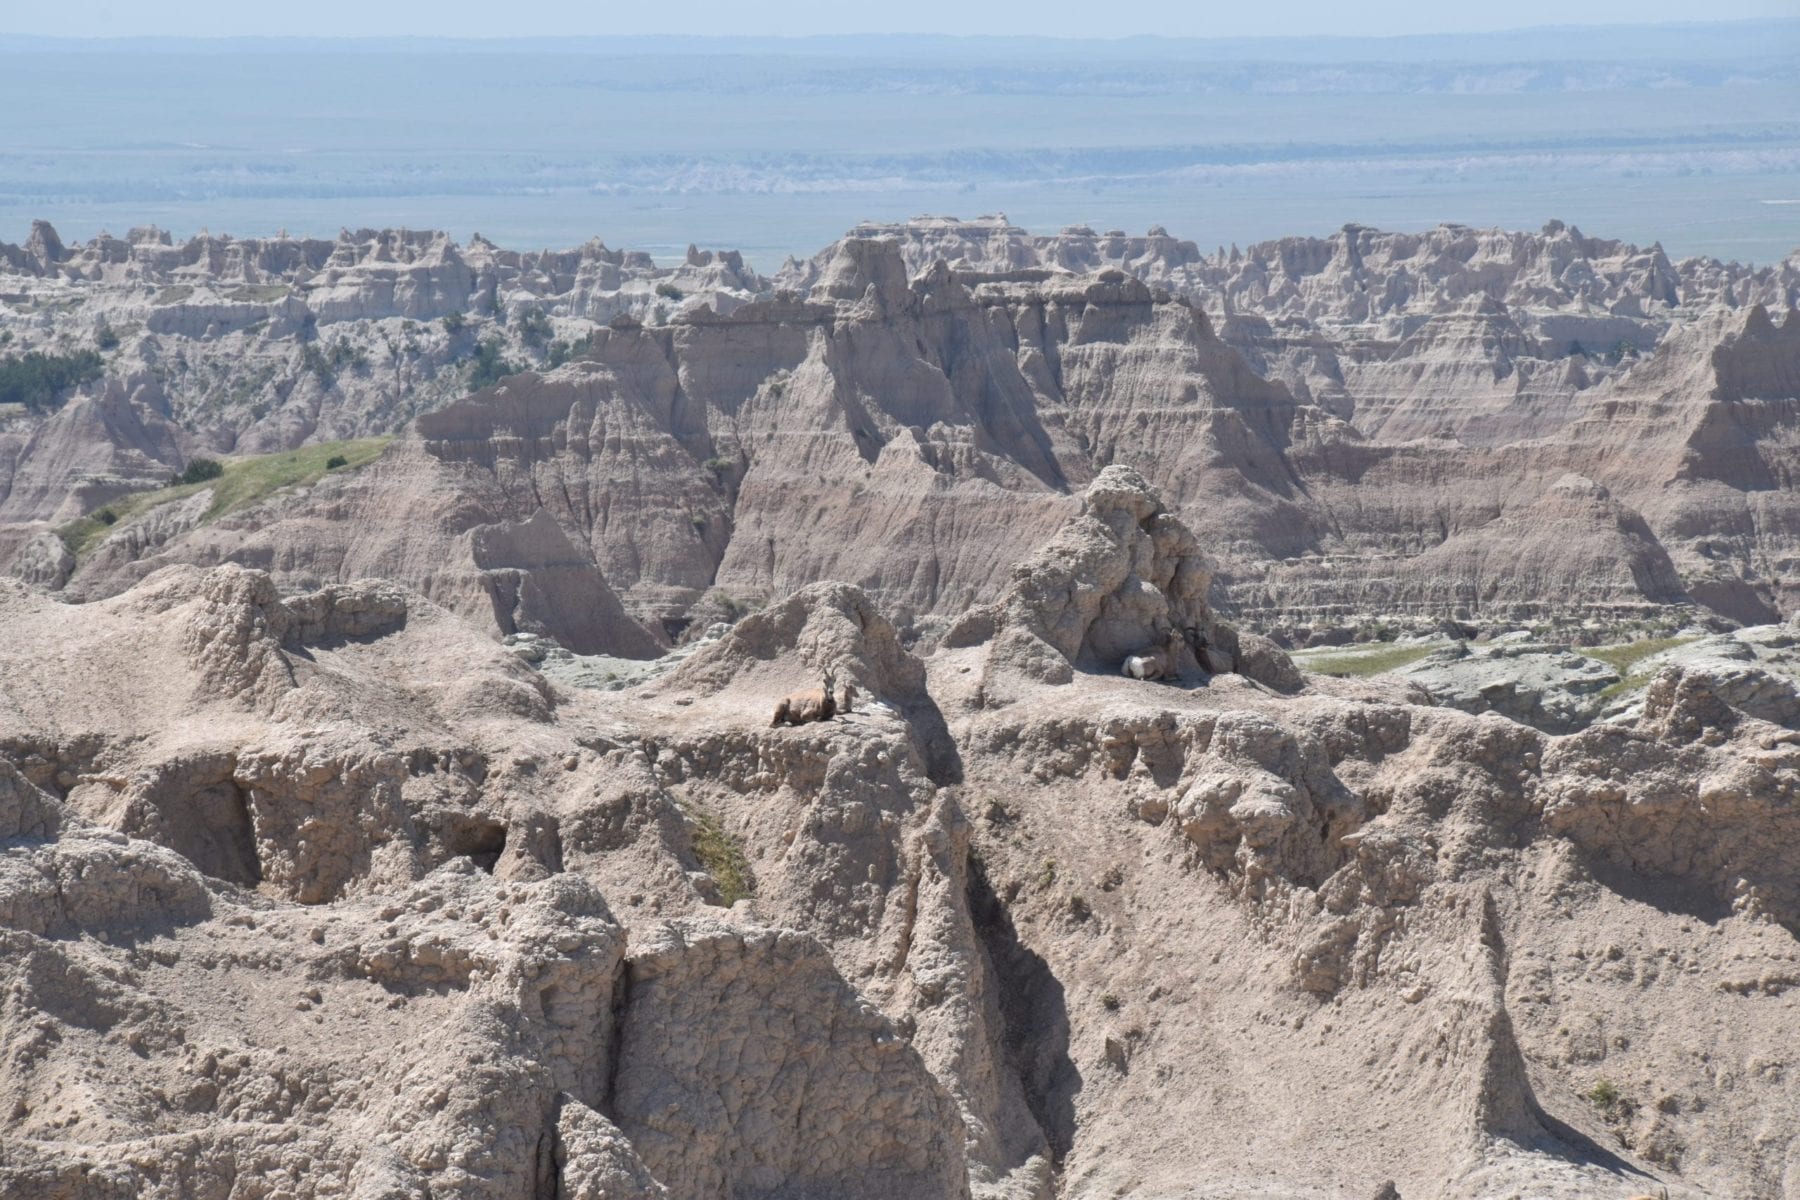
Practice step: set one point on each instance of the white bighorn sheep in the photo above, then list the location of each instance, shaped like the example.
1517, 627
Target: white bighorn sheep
801, 707
1158, 664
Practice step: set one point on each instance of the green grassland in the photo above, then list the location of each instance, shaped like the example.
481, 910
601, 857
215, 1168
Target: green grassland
1360, 662
1623, 657
246, 481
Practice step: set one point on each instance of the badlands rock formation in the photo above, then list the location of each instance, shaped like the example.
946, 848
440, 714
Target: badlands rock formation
1491, 427
249, 345
326, 894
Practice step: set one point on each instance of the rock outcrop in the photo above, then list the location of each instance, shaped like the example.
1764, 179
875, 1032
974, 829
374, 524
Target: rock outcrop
332, 889
1485, 426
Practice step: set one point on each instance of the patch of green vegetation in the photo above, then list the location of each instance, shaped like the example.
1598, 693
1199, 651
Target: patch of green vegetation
1361, 664
489, 367
668, 291
722, 856
105, 336
173, 294
534, 327
1623, 657
37, 380
198, 471
562, 352
454, 323
336, 461
240, 483
258, 293
1604, 1094
325, 363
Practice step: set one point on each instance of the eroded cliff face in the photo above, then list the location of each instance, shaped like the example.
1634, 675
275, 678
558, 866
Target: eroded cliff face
1496, 428
912, 437
224, 345
328, 892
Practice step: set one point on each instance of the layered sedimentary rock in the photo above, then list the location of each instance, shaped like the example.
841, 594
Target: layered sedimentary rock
1436, 435
872, 433
251, 345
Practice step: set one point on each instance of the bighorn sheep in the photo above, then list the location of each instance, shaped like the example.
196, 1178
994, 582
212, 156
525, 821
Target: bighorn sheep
1158, 664
847, 701
801, 707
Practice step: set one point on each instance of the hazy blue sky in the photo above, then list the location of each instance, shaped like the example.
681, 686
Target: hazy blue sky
486, 18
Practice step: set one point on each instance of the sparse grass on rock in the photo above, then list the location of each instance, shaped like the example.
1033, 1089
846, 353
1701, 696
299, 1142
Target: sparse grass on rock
1622, 658
241, 483
722, 856
1363, 662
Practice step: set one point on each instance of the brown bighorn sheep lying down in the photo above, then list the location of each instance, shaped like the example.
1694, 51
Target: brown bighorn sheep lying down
847, 701
1158, 664
801, 707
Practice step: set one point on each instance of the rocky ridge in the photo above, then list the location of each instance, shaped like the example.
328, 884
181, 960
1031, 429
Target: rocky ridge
1475, 458
330, 891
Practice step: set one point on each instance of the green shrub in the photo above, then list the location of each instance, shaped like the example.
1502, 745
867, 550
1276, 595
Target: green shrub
311, 359
534, 327
105, 336
668, 291
336, 461
1604, 1094
489, 367
455, 323
107, 516
37, 380
198, 470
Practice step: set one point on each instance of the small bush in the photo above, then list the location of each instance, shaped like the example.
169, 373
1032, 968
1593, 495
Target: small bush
1078, 907
1109, 1002
336, 461
1604, 1094
198, 470
105, 336
668, 291
455, 323
489, 367
107, 516
534, 327
721, 464
312, 360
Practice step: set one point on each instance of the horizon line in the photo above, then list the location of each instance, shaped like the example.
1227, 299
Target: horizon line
1160, 38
